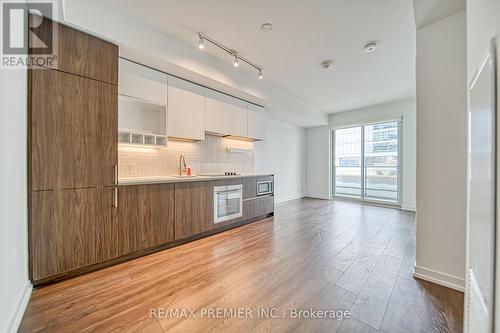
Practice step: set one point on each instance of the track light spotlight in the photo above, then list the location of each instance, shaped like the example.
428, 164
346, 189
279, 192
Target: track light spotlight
236, 61
201, 44
261, 76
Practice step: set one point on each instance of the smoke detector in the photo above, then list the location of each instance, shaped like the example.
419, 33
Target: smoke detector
266, 27
326, 64
370, 47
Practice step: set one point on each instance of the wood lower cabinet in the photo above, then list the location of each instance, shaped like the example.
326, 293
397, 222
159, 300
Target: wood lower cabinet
249, 188
69, 231
194, 208
257, 207
146, 215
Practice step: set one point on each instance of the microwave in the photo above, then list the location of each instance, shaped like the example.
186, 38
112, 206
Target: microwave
265, 187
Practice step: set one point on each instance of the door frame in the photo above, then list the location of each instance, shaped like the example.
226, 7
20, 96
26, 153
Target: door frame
362, 198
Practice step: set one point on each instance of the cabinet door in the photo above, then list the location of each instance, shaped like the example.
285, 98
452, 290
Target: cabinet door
68, 232
107, 104
80, 53
186, 110
194, 211
73, 131
256, 122
258, 207
146, 215
249, 188
142, 82
240, 123
218, 113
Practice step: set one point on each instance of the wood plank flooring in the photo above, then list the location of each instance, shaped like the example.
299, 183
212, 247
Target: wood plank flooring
329, 255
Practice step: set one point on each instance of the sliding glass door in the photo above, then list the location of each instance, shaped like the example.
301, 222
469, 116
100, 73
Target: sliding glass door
366, 162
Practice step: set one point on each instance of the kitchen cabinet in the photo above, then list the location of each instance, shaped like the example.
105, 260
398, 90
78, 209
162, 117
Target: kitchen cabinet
249, 188
80, 53
194, 208
256, 122
146, 215
142, 82
70, 229
258, 207
218, 113
72, 131
72, 155
240, 120
185, 110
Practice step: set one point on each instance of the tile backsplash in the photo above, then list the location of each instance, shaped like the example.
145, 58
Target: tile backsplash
208, 157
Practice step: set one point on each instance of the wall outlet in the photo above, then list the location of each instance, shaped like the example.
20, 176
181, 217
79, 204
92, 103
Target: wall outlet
132, 169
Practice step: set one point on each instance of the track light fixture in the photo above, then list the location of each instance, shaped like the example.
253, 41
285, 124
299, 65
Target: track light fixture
236, 56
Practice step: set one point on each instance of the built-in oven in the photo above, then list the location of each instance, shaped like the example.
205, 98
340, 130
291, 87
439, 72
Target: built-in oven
264, 187
228, 202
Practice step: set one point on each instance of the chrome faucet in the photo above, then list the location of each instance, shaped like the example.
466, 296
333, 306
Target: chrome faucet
182, 162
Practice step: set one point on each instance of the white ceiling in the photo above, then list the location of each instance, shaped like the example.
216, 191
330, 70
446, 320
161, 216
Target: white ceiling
430, 11
304, 34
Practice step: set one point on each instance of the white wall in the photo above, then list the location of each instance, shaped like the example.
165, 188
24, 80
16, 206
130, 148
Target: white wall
14, 285
318, 162
483, 23
283, 153
388, 111
441, 151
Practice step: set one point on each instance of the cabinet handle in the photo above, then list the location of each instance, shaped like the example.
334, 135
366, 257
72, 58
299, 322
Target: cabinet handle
115, 197
115, 170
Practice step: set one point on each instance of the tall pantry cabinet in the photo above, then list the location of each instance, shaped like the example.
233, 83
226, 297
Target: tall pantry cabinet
73, 155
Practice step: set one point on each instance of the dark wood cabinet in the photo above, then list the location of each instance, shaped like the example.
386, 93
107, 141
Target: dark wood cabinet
107, 240
62, 227
249, 188
80, 53
146, 215
73, 154
73, 131
258, 207
194, 209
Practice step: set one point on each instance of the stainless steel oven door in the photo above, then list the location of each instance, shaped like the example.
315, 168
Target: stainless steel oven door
265, 187
228, 203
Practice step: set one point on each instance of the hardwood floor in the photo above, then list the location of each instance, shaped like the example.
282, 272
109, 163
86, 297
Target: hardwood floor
312, 254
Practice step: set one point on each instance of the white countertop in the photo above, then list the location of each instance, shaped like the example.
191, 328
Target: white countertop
174, 179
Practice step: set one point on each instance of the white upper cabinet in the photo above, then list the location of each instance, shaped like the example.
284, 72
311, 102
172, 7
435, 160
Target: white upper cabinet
240, 119
256, 122
218, 113
186, 110
142, 82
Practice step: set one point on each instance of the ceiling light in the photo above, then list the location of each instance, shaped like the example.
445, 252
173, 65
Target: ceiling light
266, 27
326, 64
201, 44
370, 47
261, 76
236, 61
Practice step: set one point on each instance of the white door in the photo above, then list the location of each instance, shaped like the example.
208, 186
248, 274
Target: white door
481, 200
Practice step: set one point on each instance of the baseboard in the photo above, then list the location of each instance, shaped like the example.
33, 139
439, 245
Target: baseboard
443, 279
20, 308
289, 198
317, 196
